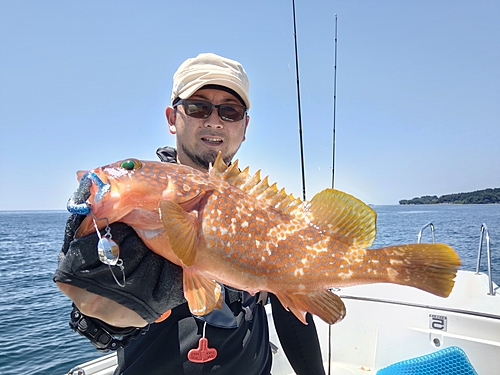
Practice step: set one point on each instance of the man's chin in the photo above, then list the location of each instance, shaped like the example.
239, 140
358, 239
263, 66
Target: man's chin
205, 158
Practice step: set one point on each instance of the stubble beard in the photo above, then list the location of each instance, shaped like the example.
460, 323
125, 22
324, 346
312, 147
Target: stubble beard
204, 160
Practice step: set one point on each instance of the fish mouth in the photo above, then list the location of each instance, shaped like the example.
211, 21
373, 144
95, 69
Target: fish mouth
79, 202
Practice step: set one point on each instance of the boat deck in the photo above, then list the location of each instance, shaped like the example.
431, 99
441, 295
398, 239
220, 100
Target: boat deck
388, 323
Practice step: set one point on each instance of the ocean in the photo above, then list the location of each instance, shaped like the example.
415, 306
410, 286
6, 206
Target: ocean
35, 337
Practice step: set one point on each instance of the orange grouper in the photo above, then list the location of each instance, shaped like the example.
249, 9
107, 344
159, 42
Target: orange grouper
227, 226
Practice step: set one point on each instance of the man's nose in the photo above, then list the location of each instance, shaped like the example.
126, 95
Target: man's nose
214, 120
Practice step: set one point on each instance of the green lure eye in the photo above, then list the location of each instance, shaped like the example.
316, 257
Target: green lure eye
131, 164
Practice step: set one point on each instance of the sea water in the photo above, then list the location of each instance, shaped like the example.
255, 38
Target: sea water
35, 337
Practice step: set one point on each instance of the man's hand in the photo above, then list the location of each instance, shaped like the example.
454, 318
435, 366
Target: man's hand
153, 285
102, 308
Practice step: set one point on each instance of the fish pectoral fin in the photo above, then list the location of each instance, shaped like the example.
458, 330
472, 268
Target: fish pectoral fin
181, 231
325, 304
341, 214
203, 294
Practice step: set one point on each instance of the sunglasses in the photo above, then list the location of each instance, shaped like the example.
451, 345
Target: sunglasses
202, 109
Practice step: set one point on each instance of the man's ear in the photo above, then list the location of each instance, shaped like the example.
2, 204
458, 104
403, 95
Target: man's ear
170, 113
247, 120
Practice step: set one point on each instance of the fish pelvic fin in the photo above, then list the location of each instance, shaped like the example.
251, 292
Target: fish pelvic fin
203, 294
430, 267
255, 186
181, 230
342, 215
325, 304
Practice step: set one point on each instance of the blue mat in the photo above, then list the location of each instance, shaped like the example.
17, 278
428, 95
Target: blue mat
448, 361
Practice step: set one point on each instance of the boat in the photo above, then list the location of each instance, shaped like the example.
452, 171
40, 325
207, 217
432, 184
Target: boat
391, 325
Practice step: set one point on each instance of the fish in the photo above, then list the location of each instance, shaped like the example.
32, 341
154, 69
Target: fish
229, 227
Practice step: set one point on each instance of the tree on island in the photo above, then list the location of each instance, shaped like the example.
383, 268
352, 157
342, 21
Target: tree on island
485, 196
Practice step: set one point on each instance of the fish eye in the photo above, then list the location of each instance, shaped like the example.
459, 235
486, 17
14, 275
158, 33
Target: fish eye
131, 164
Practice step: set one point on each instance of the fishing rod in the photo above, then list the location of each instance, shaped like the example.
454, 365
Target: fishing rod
302, 159
333, 171
334, 104
298, 104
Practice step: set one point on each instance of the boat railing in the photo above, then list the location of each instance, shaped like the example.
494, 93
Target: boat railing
431, 226
485, 234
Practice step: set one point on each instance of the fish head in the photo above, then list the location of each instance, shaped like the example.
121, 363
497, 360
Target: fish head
115, 190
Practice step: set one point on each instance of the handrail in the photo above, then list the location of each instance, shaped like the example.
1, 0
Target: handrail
484, 229
430, 225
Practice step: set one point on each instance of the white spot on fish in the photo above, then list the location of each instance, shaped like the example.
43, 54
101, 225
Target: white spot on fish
299, 272
392, 273
346, 275
395, 262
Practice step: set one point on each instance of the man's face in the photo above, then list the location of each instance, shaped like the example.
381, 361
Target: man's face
200, 140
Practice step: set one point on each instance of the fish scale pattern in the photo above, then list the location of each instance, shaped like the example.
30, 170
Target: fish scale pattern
448, 361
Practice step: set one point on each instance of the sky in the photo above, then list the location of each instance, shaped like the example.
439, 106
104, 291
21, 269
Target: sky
86, 83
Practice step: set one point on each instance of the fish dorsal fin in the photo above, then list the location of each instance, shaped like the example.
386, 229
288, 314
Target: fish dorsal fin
255, 186
341, 215
218, 167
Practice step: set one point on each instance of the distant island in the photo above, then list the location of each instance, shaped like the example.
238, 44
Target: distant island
485, 196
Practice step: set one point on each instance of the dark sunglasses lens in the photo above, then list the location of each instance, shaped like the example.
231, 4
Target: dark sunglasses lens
201, 109
197, 109
231, 113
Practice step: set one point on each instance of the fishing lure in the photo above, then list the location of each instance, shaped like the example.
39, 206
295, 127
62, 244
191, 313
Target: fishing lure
108, 250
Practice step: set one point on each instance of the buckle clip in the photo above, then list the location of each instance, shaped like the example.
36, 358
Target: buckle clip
103, 336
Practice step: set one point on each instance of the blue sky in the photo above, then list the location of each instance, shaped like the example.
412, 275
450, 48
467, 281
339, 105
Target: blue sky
85, 83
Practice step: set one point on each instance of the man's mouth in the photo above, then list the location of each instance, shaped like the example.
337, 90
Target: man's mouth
212, 140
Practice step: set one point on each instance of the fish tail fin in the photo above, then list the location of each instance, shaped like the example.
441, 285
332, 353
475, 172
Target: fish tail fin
430, 267
326, 305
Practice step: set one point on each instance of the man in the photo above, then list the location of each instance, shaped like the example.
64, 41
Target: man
208, 115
